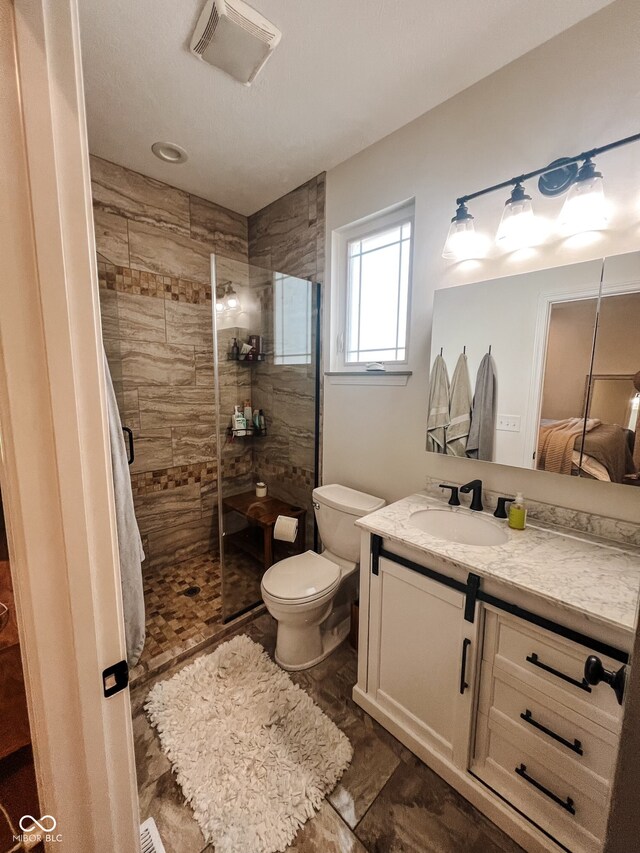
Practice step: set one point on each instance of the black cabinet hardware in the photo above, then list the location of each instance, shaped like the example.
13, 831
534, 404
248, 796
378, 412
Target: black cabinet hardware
463, 665
376, 547
454, 500
501, 509
576, 746
129, 435
594, 673
583, 685
567, 804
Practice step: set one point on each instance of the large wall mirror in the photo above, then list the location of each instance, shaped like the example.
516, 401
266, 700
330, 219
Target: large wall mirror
541, 370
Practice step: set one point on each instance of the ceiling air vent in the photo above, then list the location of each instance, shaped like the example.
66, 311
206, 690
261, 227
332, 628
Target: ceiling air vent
235, 38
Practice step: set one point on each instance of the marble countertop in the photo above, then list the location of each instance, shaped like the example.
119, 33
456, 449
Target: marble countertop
590, 576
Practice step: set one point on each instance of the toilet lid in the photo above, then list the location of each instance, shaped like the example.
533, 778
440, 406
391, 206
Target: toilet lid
301, 577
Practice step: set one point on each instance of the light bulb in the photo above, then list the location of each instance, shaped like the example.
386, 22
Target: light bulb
519, 227
462, 243
585, 208
231, 300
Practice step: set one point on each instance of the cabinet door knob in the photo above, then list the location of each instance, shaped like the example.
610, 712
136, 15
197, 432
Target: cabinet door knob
594, 673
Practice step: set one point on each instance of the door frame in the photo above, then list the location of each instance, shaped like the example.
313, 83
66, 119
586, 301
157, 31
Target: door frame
55, 468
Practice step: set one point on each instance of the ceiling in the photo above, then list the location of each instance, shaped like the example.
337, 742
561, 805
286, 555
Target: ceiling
346, 74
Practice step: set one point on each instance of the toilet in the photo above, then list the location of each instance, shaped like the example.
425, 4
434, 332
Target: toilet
310, 595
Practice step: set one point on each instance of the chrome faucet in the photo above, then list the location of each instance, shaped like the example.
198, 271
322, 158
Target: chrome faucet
474, 486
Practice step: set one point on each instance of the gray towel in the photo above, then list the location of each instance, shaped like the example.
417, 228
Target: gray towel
129, 542
438, 412
459, 409
483, 415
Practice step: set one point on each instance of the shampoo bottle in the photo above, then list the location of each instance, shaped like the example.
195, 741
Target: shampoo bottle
518, 513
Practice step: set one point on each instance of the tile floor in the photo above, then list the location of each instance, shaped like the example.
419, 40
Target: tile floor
387, 801
178, 624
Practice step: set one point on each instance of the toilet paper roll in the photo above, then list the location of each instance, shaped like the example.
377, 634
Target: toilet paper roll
285, 529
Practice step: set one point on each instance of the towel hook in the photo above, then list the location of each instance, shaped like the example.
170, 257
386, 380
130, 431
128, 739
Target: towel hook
441, 348
464, 350
489, 349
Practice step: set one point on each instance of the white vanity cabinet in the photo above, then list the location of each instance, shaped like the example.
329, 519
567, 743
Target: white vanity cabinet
420, 657
490, 695
546, 740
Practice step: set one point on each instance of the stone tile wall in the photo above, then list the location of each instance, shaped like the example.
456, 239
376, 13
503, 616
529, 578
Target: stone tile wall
289, 236
154, 244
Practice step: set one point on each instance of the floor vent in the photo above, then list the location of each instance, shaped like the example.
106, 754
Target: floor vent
191, 591
150, 841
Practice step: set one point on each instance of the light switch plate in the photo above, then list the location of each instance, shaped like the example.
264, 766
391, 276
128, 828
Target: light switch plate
508, 423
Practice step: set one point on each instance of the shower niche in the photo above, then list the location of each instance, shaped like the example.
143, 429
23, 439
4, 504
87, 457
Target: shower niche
266, 376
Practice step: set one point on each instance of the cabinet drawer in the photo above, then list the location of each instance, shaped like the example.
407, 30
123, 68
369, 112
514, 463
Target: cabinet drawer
573, 814
553, 665
576, 748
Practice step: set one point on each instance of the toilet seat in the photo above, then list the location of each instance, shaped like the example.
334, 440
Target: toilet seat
302, 578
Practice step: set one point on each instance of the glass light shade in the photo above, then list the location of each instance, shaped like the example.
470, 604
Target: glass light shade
585, 208
219, 305
462, 243
519, 227
232, 301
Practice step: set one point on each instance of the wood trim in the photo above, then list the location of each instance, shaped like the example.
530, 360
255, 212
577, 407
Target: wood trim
55, 473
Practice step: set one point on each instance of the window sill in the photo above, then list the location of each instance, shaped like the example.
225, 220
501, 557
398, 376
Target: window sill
363, 377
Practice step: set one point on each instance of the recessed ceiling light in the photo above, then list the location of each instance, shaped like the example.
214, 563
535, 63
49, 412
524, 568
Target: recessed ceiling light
169, 152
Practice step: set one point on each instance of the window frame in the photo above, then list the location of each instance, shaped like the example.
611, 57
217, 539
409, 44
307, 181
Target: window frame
363, 229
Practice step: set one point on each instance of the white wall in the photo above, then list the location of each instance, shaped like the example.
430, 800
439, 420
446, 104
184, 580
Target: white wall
577, 91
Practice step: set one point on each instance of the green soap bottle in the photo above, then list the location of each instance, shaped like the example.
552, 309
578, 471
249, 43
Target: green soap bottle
518, 513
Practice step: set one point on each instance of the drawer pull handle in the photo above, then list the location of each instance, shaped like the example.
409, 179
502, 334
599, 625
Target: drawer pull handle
567, 804
576, 746
583, 685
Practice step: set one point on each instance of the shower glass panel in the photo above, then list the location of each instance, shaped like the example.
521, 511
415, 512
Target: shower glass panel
266, 360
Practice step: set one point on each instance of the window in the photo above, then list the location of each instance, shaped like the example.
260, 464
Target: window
377, 289
293, 317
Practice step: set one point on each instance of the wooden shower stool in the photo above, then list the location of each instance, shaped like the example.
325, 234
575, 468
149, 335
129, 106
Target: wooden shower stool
263, 513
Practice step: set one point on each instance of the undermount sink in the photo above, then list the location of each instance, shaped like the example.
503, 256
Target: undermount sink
462, 527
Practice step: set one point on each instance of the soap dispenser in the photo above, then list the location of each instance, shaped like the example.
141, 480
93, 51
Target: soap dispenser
518, 513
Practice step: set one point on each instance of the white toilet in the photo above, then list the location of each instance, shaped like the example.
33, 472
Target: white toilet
310, 595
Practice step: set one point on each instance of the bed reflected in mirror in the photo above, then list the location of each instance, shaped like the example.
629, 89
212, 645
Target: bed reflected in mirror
589, 423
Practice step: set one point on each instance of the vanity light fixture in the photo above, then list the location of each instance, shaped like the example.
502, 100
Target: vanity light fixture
585, 208
462, 242
519, 227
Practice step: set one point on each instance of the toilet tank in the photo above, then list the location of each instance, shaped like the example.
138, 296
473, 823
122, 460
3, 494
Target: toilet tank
337, 508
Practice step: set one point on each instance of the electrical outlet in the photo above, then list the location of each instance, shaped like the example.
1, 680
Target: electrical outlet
508, 423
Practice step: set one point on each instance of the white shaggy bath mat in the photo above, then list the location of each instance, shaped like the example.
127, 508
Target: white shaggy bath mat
253, 754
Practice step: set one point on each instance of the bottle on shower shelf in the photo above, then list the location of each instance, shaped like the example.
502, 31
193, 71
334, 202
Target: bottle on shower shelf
235, 349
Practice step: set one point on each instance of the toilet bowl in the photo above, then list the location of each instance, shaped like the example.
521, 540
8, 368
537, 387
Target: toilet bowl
310, 595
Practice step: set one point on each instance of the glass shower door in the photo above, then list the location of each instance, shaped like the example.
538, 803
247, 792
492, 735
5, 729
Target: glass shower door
266, 368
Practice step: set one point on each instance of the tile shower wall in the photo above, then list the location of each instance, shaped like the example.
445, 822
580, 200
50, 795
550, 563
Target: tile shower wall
154, 244
288, 236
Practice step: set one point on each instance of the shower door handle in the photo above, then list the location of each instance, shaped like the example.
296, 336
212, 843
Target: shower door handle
129, 434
